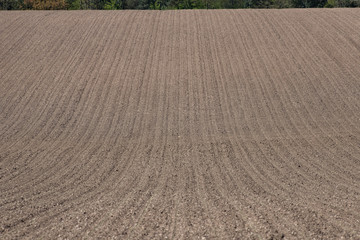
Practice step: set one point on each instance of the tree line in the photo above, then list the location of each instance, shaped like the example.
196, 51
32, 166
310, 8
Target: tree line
169, 4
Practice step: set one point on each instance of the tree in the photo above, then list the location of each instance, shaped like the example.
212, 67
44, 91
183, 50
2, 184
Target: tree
11, 4
113, 5
45, 4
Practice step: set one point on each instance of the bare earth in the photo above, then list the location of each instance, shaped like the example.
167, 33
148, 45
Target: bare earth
224, 124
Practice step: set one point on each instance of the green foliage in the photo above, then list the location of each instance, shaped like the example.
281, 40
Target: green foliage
11, 4
160, 4
146, 4
113, 5
74, 4
330, 4
347, 3
281, 4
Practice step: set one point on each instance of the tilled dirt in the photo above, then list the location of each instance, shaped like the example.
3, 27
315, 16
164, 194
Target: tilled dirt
223, 124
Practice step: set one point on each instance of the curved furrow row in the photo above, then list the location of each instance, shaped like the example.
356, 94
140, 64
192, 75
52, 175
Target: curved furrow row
346, 87
234, 124
244, 132
258, 115
257, 218
68, 102
47, 47
329, 110
329, 113
88, 121
211, 182
327, 149
325, 159
16, 40
50, 148
341, 166
346, 26
250, 152
272, 166
337, 45
146, 184
45, 87
332, 78
134, 175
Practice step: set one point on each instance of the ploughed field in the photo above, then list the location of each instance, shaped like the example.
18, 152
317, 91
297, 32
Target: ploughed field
223, 124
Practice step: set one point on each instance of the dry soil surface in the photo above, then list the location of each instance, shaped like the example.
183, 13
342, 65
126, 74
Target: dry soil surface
224, 124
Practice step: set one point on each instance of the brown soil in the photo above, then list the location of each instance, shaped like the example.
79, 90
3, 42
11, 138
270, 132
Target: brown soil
225, 124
